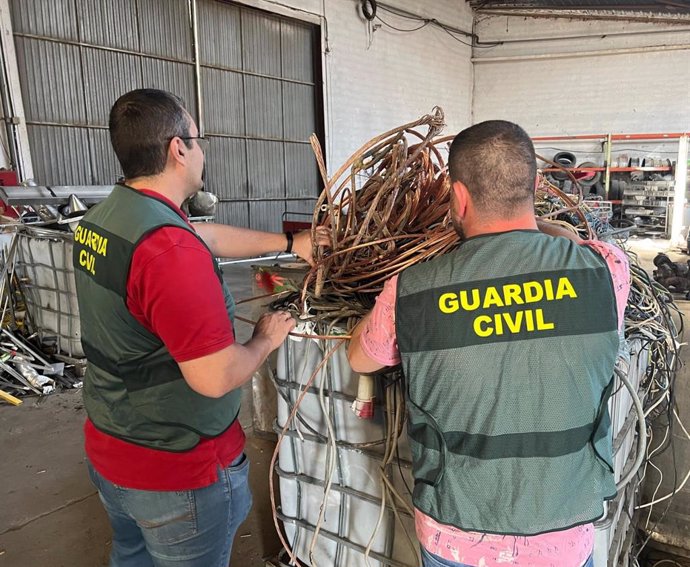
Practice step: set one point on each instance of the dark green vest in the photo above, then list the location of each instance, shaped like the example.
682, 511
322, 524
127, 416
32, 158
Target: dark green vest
133, 389
508, 346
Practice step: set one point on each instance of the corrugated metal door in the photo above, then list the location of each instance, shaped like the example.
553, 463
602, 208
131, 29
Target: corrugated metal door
261, 94
75, 58
260, 87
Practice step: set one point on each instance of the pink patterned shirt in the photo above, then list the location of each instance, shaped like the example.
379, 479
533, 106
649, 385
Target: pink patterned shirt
565, 548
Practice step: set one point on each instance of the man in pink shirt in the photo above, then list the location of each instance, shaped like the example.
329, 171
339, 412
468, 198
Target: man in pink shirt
507, 345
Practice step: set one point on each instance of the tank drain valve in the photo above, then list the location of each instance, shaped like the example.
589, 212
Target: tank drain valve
363, 406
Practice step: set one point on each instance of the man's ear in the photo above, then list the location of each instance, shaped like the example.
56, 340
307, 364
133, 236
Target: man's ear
462, 197
536, 183
177, 150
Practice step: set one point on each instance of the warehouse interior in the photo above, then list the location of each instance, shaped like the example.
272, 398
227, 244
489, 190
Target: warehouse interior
304, 104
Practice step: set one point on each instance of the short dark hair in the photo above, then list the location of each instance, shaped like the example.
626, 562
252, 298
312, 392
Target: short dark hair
142, 123
495, 160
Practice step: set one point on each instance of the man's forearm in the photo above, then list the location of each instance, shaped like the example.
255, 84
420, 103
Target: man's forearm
359, 360
216, 374
227, 241
249, 357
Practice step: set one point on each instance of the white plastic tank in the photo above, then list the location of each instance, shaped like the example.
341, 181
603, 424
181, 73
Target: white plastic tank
351, 521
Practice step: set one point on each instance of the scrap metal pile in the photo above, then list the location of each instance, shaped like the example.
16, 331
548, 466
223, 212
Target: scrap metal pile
387, 208
40, 348
29, 366
674, 276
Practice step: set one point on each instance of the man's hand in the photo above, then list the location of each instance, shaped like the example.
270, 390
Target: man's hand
274, 327
555, 230
302, 243
214, 375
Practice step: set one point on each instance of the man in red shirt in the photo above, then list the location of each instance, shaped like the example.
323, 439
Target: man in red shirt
164, 445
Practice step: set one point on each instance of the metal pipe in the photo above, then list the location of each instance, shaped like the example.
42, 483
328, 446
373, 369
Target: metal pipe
585, 36
655, 136
374, 456
602, 137
269, 199
607, 181
331, 369
23, 345
312, 390
19, 133
579, 137
680, 190
255, 74
337, 487
197, 67
58, 298
66, 124
281, 256
63, 41
641, 432
13, 156
17, 376
7, 274
293, 447
587, 16
580, 54
259, 138
159, 57
571, 6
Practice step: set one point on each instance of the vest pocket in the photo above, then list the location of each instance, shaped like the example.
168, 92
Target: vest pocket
428, 446
600, 441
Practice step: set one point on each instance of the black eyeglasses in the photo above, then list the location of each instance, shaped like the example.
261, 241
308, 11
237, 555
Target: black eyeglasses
203, 143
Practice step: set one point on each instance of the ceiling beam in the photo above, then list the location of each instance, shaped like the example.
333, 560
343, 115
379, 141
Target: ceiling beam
583, 16
675, 4
668, 5
600, 6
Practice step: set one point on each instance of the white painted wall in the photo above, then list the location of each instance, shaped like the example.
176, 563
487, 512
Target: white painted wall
396, 79
375, 81
548, 87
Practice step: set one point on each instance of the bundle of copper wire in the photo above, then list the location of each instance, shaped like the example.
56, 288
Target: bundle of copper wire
387, 207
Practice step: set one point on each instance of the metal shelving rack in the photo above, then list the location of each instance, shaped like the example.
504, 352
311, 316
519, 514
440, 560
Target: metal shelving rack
649, 202
659, 195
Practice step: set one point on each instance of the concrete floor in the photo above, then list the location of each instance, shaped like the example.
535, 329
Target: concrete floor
50, 514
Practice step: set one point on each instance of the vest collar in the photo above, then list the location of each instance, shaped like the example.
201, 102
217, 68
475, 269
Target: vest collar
492, 234
151, 194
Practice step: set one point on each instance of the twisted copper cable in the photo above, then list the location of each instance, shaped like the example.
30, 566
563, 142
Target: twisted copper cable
388, 208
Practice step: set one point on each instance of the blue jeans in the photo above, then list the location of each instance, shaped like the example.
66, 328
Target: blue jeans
188, 528
431, 560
